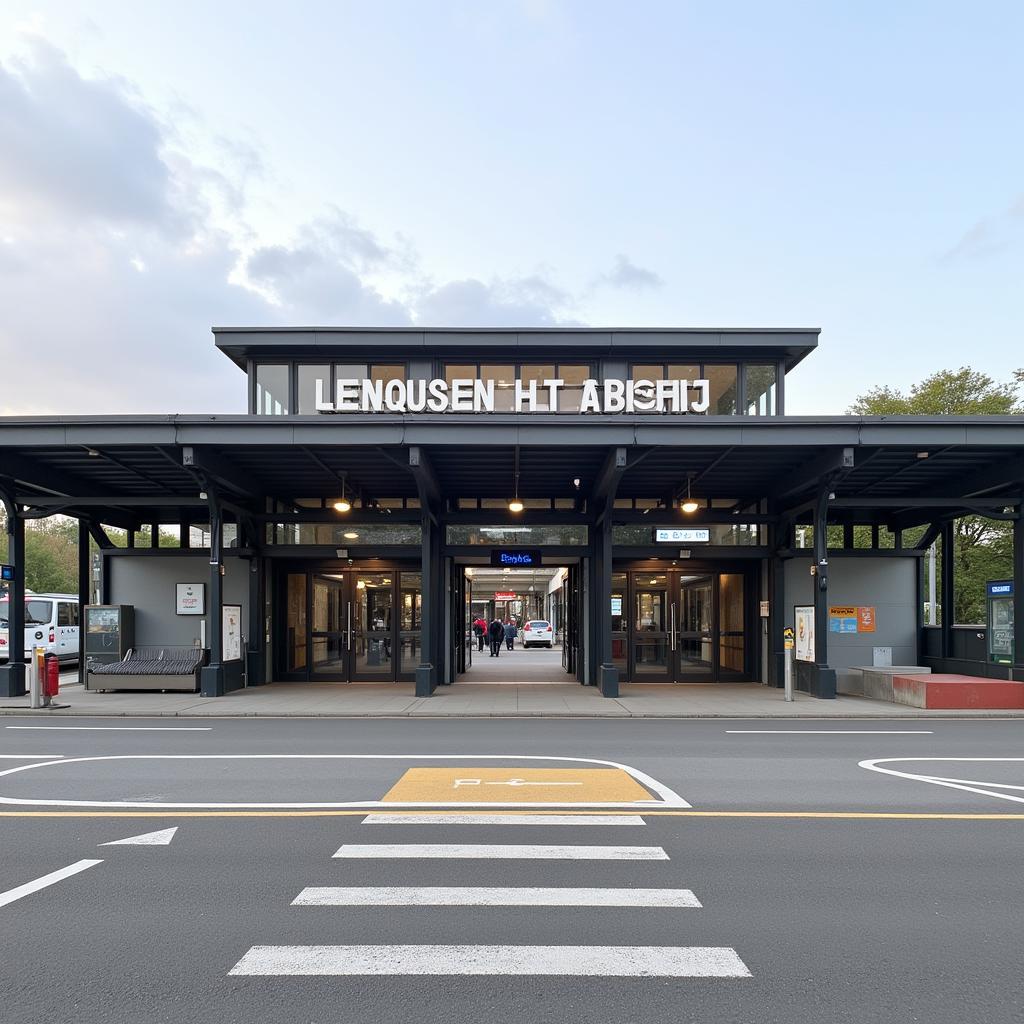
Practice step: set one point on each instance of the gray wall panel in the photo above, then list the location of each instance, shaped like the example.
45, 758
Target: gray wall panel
147, 582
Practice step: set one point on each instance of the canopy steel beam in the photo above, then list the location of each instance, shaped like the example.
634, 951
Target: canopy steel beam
830, 464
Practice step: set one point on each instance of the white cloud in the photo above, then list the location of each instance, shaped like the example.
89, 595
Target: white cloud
626, 274
118, 252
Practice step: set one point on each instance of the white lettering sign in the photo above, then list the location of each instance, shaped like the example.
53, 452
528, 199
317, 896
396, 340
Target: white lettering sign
691, 536
465, 395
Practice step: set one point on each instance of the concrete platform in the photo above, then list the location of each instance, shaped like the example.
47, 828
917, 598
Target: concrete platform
948, 692
491, 700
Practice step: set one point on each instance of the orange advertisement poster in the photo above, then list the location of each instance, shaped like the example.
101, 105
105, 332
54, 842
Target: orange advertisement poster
865, 619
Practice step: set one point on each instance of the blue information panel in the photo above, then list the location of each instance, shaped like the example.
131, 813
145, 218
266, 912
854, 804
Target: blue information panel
516, 558
7, 573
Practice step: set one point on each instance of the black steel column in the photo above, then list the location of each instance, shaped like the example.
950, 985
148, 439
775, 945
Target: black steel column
432, 606
84, 590
606, 675
12, 675
822, 679
211, 678
1017, 672
948, 597
777, 622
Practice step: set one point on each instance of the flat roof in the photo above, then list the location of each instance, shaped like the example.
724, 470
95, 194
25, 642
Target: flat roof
785, 343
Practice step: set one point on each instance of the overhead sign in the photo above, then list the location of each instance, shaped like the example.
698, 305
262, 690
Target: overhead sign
472, 395
7, 573
995, 588
681, 535
516, 558
804, 617
506, 595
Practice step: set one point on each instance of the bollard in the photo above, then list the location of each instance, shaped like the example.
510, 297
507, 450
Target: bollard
37, 679
788, 674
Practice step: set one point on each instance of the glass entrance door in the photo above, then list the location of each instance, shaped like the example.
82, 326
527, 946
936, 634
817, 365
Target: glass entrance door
328, 635
695, 636
349, 626
683, 627
653, 628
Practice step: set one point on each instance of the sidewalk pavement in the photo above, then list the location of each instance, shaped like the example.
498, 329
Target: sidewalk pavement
489, 700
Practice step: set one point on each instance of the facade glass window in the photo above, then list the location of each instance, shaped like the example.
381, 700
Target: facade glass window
348, 534
308, 375
761, 389
519, 536
722, 379
727, 534
505, 376
272, 389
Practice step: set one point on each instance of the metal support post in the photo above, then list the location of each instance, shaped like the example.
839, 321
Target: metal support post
211, 677
12, 674
788, 674
822, 681
1017, 672
948, 592
601, 631
84, 591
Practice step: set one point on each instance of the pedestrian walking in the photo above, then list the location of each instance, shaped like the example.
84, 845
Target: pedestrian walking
496, 633
480, 631
510, 633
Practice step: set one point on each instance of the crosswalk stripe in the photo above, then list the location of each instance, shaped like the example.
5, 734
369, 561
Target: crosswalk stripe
483, 896
503, 819
501, 851
571, 961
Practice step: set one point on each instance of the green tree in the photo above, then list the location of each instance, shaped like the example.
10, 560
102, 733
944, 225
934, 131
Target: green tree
983, 548
51, 554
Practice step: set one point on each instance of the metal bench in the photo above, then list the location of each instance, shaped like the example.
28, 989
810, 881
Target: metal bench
149, 668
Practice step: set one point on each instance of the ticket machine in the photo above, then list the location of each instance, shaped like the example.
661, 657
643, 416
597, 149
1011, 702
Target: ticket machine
999, 605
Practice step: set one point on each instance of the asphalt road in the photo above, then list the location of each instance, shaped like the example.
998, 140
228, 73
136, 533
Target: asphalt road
862, 896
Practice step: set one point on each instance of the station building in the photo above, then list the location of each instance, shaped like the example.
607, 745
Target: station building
673, 518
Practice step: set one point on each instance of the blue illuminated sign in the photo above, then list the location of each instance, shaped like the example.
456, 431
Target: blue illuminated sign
515, 558
1000, 588
7, 573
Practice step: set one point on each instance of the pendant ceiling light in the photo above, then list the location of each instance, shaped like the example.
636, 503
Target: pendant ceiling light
689, 505
343, 504
515, 505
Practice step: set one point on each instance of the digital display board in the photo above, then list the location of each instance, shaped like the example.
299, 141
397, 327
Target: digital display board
516, 558
691, 535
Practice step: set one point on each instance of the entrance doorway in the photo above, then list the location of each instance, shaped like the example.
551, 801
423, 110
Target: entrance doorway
349, 625
682, 626
540, 608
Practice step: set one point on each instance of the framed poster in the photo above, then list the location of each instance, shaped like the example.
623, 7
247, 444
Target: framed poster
231, 632
803, 616
189, 598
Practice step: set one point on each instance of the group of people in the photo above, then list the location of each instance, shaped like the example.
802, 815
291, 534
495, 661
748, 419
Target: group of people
495, 632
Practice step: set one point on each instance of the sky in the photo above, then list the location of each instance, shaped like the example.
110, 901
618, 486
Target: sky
167, 167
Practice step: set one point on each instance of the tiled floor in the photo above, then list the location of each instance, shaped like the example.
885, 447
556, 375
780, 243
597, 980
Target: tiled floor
490, 700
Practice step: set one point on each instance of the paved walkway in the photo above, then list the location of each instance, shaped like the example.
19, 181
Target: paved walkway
488, 700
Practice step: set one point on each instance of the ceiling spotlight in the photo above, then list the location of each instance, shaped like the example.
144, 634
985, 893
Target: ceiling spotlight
350, 535
689, 505
920, 455
92, 452
344, 505
576, 482
515, 505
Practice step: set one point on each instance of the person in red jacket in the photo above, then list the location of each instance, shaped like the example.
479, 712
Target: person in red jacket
480, 631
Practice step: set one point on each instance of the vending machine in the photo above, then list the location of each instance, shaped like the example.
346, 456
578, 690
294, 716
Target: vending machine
109, 632
999, 602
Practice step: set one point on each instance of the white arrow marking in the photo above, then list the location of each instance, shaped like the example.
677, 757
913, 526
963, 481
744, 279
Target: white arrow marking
511, 782
161, 838
41, 883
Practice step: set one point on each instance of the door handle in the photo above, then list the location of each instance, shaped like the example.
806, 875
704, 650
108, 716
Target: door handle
672, 630
348, 625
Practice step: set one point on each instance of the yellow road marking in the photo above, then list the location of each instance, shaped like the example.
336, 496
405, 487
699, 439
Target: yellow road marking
468, 784
821, 815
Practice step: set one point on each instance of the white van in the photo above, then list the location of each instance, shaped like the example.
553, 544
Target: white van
51, 621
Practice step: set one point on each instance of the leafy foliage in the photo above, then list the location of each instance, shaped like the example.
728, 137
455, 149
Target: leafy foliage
983, 548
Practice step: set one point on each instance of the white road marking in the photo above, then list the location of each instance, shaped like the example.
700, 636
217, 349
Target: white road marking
509, 782
161, 838
667, 798
566, 961
834, 732
967, 785
25, 757
117, 728
500, 851
41, 883
503, 819
429, 896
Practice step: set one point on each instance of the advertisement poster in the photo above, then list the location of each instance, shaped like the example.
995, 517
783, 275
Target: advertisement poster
231, 632
851, 618
190, 598
804, 618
